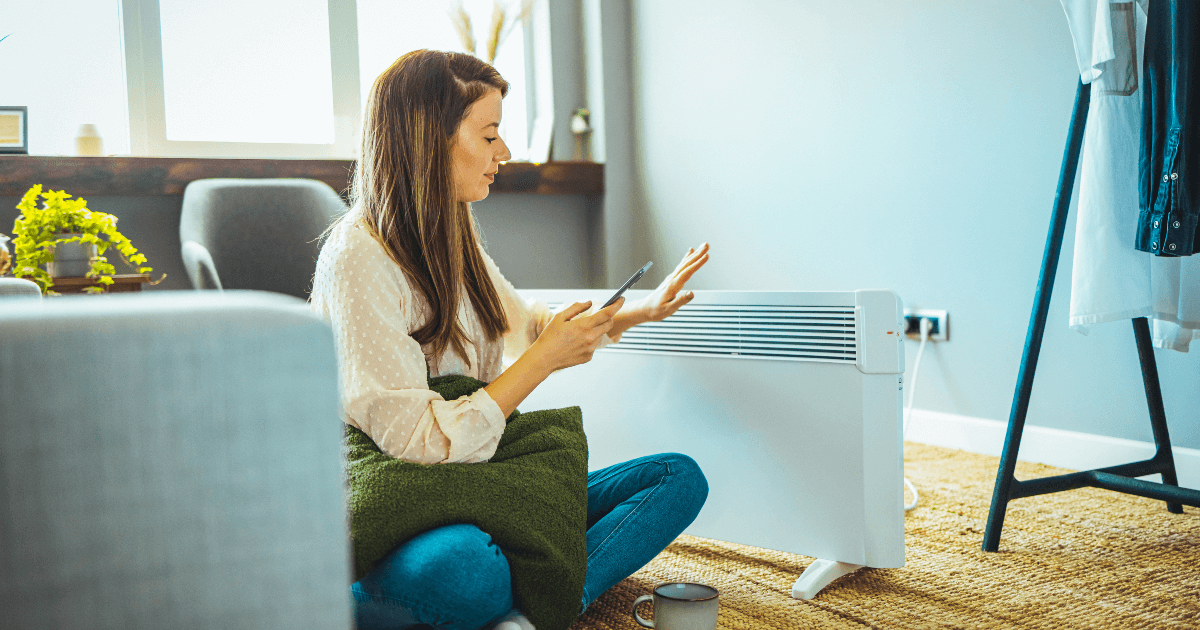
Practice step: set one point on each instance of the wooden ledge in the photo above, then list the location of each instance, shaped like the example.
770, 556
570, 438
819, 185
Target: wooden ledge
151, 176
121, 283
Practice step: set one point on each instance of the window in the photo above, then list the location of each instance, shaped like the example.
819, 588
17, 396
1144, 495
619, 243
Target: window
236, 71
269, 78
389, 28
286, 78
265, 78
68, 70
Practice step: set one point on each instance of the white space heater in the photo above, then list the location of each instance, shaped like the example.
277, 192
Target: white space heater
789, 401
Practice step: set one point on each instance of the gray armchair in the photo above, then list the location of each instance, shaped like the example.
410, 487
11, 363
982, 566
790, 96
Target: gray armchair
257, 234
170, 460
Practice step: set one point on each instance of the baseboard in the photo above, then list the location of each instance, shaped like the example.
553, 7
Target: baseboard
1043, 445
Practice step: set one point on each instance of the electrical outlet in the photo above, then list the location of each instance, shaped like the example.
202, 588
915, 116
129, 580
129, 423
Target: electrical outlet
940, 320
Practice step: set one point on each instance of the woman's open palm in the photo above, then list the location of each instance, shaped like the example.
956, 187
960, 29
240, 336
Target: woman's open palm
669, 296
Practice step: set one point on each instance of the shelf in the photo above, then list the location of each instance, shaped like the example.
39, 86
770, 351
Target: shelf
136, 176
121, 283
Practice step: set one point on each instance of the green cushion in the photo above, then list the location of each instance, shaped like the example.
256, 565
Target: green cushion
531, 498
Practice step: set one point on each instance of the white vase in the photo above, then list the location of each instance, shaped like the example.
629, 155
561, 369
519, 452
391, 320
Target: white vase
71, 259
88, 142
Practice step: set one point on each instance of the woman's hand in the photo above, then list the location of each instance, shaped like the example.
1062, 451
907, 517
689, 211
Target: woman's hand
570, 338
666, 299
669, 295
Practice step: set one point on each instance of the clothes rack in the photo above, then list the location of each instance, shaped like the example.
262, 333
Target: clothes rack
1120, 478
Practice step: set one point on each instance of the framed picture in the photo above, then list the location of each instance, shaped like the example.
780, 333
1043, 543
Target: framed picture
14, 129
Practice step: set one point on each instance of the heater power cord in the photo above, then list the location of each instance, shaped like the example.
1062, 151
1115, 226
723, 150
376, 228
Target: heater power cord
925, 326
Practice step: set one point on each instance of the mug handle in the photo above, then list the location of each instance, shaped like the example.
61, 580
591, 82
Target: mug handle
637, 602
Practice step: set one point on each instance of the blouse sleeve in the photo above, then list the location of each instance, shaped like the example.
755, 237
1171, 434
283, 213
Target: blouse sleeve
526, 318
385, 386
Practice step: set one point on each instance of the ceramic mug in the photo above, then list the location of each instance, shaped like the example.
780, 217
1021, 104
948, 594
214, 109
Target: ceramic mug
681, 606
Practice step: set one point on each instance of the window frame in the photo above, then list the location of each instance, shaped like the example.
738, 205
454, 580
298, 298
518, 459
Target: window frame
539, 79
141, 35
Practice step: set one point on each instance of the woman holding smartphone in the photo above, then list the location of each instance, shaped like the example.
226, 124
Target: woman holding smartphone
411, 295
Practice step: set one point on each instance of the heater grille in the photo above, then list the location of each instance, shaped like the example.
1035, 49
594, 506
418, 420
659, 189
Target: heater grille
792, 333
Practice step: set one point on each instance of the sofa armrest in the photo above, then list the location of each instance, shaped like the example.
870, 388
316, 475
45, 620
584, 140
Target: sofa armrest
200, 268
171, 459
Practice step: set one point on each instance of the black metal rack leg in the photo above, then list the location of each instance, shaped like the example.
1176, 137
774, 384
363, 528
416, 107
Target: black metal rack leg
1120, 478
1158, 417
1037, 320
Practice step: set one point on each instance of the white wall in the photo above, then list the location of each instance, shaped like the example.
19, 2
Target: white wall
872, 143
538, 241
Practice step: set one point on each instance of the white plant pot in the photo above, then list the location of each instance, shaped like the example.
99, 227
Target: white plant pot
71, 259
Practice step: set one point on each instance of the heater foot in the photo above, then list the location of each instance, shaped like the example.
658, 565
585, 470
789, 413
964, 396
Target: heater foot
818, 575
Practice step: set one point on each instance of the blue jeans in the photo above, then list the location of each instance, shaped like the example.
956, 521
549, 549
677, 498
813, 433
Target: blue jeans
456, 578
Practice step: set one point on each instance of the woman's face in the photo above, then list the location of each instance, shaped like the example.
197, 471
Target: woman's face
478, 149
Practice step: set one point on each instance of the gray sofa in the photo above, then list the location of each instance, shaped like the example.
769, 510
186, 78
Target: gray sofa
170, 460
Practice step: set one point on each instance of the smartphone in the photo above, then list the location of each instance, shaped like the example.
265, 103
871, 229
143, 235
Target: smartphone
628, 283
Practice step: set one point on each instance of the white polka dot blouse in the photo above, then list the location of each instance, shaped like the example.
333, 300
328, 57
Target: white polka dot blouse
384, 386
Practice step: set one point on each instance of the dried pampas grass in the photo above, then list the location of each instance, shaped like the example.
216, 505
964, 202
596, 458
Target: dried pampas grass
462, 25
505, 16
496, 31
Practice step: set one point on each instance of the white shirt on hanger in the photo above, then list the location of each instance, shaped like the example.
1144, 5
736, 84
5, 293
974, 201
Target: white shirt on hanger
1110, 280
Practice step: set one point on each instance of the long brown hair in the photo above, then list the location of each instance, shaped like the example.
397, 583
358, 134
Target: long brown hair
404, 188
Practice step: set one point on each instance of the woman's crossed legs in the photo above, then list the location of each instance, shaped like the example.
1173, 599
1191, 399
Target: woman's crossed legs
456, 578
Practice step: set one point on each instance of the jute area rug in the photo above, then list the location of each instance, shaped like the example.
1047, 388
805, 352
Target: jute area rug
1086, 558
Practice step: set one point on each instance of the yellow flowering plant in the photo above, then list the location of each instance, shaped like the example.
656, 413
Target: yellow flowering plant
61, 219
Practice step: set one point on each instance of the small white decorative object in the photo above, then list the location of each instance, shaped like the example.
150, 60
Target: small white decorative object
88, 142
582, 130
579, 123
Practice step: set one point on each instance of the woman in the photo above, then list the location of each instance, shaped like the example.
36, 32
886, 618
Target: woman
412, 295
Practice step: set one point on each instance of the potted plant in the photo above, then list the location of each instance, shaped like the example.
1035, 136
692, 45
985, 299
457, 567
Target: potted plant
47, 236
